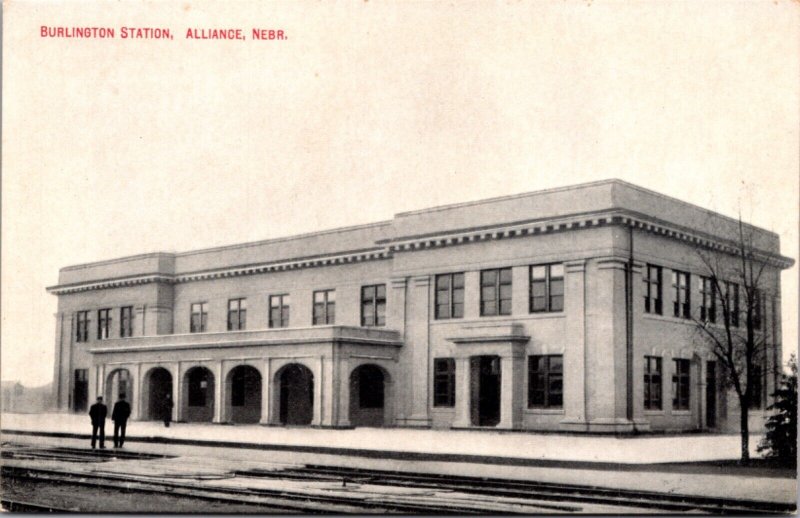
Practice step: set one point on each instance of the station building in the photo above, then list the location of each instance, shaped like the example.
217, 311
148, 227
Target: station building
569, 309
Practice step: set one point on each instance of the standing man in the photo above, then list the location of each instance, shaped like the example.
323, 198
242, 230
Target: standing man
98, 413
120, 415
167, 410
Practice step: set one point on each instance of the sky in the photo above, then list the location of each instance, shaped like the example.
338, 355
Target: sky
114, 147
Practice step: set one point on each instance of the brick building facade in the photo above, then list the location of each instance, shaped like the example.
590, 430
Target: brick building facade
508, 313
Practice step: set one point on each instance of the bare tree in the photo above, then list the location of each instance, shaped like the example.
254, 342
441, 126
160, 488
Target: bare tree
737, 335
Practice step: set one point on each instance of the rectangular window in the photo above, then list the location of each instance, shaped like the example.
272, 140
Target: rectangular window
324, 307
444, 382
496, 292
126, 321
197, 323
547, 288
680, 385
546, 381
279, 311
82, 326
237, 314
652, 290
731, 309
373, 305
681, 306
708, 304
652, 383
449, 296
103, 323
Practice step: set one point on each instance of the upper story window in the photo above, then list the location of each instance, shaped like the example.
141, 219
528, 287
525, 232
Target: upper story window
444, 382
449, 296
652, 290
199, 318
237, 314
324, 307
279, 310
82, 326
103, 323
708, 302
496, 292
126, 321
547, 288
681, 385
652, 383
681, 306
546, 381
731, 309
373, 305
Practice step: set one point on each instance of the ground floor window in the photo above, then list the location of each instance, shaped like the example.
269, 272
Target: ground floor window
444, 382
546, 381
680, 385
652, 383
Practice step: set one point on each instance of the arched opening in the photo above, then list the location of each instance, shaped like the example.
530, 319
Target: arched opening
296, 395
158, 384
367, 396
199, 395
119, 382
245, 394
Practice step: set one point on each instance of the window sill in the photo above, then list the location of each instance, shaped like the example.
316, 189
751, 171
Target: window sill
544, 411
443, 409
653, 412
682, 412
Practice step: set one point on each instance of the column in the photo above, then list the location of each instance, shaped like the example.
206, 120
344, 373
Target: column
219, 392
606, 383
266, 392
511, 384
575, 344
343, 417
137, 391
58, 376
417, 341
396, 305
177, 407
520, 280
463, 393
320, 394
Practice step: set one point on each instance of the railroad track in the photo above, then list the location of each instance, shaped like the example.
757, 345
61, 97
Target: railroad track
277, 500
18, 506
510, 488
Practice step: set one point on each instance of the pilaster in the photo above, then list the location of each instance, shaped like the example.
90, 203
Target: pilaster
575, 352
417, 340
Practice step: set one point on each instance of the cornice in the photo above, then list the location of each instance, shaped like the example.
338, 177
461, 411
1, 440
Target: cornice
387, 248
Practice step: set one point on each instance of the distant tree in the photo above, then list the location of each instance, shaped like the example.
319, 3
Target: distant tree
780, 442
736, 335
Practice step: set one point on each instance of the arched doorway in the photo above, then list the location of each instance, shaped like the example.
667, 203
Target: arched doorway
199, 395
367, 396
119, 382
245, 394
158, 385
296, 395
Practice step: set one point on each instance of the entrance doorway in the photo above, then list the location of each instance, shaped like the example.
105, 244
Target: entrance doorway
80, 392
367, 396
711, 394
485, 390
296, 383
159, 386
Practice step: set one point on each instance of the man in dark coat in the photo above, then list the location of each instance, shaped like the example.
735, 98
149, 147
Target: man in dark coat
98, 413
120, 415
166, 410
